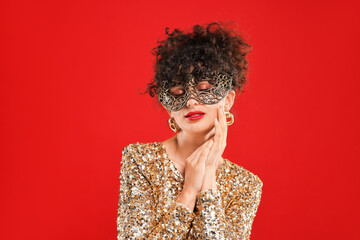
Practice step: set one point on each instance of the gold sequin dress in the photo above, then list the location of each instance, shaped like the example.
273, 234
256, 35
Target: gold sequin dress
150, 184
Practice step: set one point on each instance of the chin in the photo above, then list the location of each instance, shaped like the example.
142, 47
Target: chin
199, 128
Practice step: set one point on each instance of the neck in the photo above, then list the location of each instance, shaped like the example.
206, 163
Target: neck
186, 144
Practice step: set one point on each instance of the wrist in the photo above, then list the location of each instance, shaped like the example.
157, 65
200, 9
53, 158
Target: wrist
209, 185
209, 180
188, 199
188, 194
210, 173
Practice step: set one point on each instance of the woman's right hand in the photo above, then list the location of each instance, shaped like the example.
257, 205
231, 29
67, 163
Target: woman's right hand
195, 168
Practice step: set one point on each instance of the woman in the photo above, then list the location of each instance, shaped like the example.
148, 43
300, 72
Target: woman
182, 188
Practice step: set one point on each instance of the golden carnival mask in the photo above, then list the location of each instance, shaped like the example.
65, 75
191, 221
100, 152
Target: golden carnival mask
209, 89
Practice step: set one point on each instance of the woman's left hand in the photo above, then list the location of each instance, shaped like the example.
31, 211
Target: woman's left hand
214, 160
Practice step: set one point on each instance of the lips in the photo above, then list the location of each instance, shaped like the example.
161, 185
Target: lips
194, 114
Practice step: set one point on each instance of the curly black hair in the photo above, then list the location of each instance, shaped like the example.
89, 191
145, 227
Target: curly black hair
210, 46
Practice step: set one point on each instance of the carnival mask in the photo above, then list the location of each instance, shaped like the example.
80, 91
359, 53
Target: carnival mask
217, 85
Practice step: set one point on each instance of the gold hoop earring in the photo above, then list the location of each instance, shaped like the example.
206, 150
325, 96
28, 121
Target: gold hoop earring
173, 125
229, 115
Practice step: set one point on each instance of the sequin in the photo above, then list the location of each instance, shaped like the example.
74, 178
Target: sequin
150, 184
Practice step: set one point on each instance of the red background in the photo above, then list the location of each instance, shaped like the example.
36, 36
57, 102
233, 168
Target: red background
70, 76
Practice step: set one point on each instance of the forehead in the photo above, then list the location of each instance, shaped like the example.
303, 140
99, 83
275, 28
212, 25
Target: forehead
189, 79
192, 83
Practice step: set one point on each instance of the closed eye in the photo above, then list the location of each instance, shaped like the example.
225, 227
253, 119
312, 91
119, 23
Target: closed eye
204, 85
178, 90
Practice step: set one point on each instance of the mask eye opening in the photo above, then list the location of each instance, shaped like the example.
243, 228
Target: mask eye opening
204, 85
177, 90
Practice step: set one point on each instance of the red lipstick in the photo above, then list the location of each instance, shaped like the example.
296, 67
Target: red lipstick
196, 115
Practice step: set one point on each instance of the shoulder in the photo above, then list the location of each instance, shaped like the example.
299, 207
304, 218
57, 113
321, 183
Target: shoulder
140, 148
142, 151
244, 178
143, 155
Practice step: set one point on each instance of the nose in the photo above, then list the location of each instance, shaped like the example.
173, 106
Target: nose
191, 101
191, 89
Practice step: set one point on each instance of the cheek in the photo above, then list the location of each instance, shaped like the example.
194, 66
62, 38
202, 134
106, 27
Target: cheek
178, 116
212, 112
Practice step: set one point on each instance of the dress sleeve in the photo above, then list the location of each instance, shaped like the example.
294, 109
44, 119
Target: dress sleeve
135, 215
212, 221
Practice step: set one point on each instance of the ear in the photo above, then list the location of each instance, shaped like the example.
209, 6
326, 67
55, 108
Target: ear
169, 112
229, 100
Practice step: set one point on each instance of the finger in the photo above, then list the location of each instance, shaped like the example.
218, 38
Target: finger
218, 133
198, 149
222, 118
222, 123
211, 133
224, 126
211, 160
194, 155
204, 154
201, 149
222, 140
225, 129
